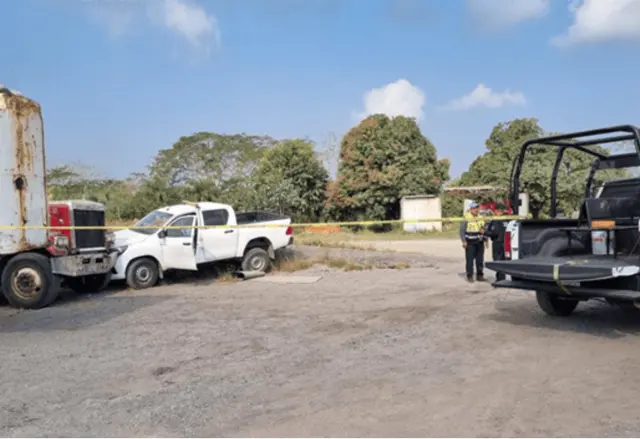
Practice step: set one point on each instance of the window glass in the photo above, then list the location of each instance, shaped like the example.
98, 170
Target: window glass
181, 233
218, 217
151, 223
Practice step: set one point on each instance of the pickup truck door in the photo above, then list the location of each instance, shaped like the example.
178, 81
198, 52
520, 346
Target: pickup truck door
218, 244
178, 244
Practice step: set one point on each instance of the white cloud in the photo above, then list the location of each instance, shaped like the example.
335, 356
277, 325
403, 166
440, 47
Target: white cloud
192, 23
400, 98
497, 14
483, 96
183, 18
599, 21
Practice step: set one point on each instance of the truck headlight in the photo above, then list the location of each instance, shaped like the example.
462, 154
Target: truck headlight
61, 241
110, 239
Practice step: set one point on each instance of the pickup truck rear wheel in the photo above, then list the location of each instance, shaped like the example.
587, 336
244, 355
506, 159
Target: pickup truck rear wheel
554, 305
142, 273
27, 281
89, 284
256, 259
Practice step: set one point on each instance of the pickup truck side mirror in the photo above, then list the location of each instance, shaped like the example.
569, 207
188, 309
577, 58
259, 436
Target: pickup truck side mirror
162, 233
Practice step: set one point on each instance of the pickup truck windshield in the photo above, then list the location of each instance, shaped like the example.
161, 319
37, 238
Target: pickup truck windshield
151, 223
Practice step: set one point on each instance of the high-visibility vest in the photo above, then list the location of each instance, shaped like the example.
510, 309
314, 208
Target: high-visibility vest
472, 232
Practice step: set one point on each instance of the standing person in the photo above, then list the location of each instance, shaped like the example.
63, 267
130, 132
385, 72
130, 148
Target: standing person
496, 230
472, 236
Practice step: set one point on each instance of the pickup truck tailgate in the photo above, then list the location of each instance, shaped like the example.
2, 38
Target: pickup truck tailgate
580, 268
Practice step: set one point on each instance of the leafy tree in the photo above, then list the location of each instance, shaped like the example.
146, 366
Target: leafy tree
291, 178
383, 159
216, 158
504, 144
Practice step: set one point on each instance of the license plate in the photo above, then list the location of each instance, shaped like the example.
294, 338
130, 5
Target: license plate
572, 284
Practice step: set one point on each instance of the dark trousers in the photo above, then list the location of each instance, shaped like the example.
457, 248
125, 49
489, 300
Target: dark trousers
497, 253
474, 252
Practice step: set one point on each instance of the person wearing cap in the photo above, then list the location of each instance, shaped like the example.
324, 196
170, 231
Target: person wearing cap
473, 242
496, 230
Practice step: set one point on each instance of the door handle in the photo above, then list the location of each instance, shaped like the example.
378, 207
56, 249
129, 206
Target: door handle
186, 243
228, 231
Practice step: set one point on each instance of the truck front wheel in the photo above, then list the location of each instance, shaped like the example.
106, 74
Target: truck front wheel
89, 284
27, 281
142, 273
555, 306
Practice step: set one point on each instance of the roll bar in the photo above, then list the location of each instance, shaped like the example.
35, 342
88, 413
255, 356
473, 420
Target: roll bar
580, 141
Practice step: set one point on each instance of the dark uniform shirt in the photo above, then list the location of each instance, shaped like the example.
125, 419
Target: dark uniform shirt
495, 230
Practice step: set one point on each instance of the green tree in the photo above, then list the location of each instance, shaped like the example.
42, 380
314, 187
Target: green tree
291, 178
503, 146
208, 166
216, 158
383, 159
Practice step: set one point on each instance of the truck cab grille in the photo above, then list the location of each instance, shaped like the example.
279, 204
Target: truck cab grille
89, 238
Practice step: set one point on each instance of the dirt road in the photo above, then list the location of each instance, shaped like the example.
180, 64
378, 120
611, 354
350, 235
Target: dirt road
374, 353
445, 248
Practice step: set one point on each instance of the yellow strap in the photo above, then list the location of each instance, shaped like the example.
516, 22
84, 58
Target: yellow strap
556, 277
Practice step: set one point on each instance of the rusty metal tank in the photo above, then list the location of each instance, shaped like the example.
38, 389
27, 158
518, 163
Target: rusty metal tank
23, 194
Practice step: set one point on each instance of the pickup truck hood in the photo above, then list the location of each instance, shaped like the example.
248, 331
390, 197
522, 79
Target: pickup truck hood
580, 268
128, 237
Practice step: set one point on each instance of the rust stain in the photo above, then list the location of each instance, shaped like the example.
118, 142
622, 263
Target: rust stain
22, 109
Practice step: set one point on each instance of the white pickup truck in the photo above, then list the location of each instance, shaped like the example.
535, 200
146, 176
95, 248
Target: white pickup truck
156, 244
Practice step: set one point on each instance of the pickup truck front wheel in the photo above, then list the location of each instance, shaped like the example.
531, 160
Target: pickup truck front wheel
554, 305
142, 273
256, 259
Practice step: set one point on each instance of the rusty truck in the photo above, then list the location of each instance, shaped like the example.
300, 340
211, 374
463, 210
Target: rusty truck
36, 260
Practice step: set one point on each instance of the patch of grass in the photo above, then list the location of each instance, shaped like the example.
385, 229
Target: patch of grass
293, 265
399, 266
331, 241
346, 264
226, 277
353, 240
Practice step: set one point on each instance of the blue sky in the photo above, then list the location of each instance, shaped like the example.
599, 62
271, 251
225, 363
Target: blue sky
120, 79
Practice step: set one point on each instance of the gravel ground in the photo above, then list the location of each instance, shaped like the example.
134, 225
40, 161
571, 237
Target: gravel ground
415, 352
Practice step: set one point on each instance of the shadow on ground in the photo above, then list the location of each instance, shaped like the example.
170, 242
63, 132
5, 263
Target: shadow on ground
590, 318
79, 314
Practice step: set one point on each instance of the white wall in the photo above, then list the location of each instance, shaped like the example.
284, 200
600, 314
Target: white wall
420, 208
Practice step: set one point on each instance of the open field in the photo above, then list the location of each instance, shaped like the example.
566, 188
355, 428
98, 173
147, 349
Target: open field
384, 352
367, 240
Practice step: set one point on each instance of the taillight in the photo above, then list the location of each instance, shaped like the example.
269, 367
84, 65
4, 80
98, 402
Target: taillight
507, 245
289, 231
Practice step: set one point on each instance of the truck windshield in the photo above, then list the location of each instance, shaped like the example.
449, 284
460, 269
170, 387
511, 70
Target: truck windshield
151, 223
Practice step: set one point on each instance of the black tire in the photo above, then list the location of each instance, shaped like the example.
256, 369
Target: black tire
142, 273
89, 284
27, 281
256, 259
554, 305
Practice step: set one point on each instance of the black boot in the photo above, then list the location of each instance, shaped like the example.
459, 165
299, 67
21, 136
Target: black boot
480, 278
470, 279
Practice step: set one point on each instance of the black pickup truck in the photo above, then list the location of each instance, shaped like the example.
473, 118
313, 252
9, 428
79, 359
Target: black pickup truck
597, 255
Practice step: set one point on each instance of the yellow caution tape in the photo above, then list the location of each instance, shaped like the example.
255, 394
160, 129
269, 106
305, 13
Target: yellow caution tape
261, 225
556, 278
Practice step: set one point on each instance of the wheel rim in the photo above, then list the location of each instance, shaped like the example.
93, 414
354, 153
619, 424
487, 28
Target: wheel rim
143, 274
27, 283
257, 263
